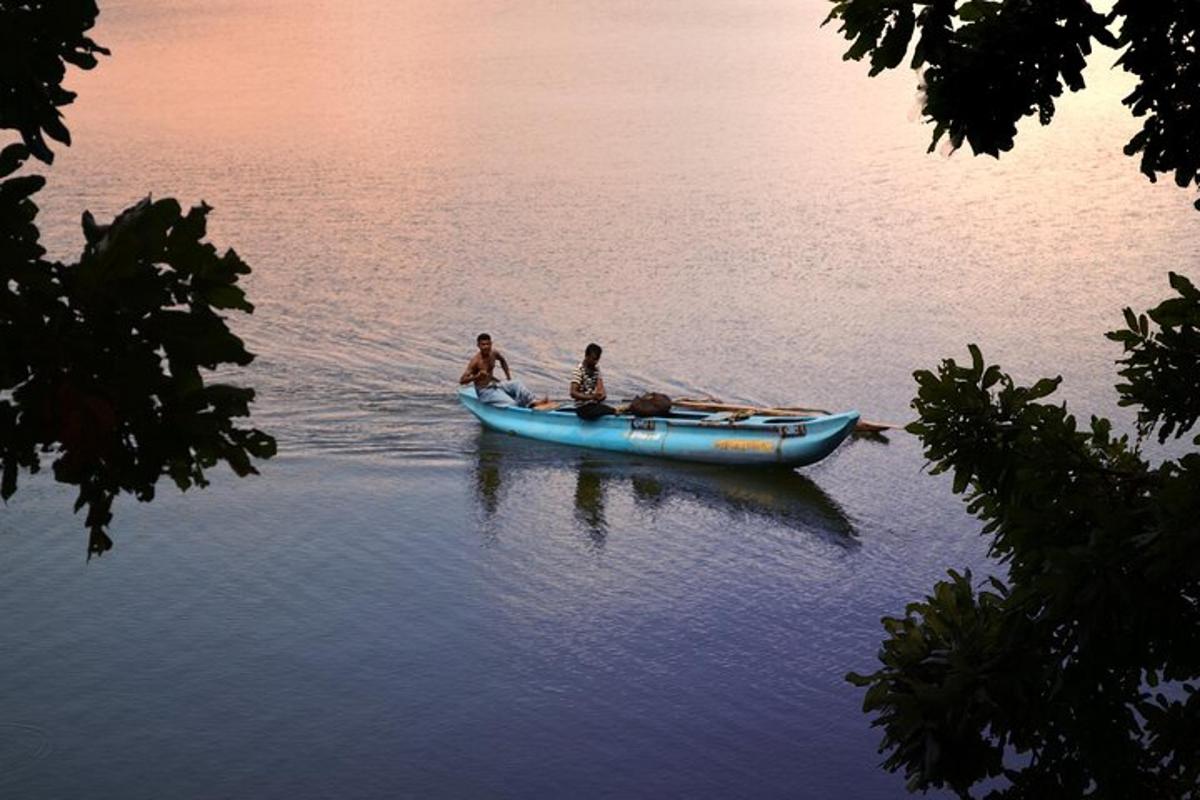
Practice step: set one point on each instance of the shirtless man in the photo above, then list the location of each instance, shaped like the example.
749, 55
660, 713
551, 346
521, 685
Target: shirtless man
491, 391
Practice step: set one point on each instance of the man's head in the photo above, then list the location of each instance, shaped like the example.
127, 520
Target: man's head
484, 340
591, 354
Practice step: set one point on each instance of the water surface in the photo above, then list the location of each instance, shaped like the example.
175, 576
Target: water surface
403, 605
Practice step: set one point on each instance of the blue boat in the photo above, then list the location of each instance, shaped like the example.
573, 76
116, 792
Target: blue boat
685, 434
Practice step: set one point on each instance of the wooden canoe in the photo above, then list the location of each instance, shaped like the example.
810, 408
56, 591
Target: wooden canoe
716, 437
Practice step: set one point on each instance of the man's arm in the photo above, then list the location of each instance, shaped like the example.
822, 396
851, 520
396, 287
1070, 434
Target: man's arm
504, 366
600, 394
576, 394
471, 372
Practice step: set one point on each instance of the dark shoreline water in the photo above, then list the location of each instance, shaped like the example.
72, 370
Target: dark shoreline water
404, 605
526, 622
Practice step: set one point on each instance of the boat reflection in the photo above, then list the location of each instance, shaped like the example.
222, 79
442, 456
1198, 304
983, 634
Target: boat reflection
781, 496
487, 480
589, 504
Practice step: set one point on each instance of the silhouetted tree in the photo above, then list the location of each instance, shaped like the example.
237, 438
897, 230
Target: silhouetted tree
1075, 675
985, 64
101, 361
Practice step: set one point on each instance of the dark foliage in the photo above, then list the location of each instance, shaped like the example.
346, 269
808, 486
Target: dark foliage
1075, 677
1161, 366
37, 42
988, 63
102, 361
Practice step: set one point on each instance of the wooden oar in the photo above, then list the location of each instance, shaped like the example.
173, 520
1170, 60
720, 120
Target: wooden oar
868, 426
714, 405
863, 425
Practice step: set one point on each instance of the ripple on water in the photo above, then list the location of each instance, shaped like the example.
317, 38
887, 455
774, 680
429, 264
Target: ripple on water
21, 746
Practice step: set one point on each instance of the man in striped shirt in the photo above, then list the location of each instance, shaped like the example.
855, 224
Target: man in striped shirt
587, 385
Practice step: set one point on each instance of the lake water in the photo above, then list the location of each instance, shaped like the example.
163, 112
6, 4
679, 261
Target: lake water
405, 606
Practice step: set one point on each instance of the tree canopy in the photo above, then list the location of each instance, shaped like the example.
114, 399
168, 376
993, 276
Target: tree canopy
1075, 674
986, 64
103, 361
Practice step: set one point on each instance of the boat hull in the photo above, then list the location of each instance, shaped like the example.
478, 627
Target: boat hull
708, 438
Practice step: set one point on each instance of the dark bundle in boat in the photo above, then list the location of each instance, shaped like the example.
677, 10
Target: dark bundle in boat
651, 404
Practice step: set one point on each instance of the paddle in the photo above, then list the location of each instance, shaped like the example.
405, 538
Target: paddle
716, 405
863, 426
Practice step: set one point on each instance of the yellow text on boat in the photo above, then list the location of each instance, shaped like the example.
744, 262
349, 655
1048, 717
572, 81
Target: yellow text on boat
757, 445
